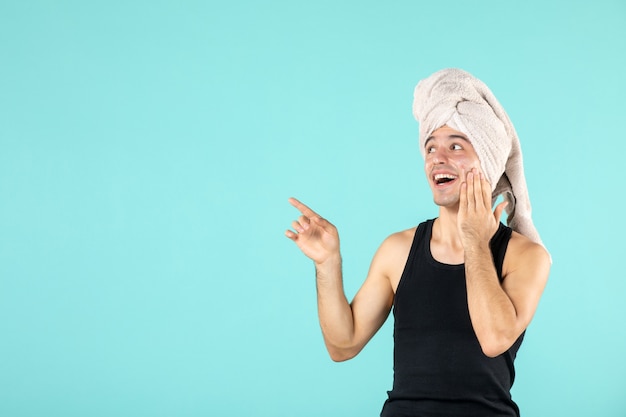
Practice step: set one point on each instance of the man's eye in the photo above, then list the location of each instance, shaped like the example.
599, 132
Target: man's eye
430, 149
456, 147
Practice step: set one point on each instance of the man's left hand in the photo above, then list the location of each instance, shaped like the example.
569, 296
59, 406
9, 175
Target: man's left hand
476, 222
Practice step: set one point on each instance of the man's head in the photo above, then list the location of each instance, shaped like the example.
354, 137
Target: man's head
455, 98
449, 156
461, 102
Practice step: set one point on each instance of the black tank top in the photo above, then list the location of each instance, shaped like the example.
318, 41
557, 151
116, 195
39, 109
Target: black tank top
439, 367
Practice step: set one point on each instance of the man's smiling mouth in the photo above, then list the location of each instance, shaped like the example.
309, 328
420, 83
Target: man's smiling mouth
441, 179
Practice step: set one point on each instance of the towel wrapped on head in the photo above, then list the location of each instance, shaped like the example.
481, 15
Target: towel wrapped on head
459, 100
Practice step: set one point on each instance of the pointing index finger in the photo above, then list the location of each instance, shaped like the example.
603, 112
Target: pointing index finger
304, 209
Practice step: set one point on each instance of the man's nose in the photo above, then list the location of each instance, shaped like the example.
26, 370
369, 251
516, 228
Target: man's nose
439, 156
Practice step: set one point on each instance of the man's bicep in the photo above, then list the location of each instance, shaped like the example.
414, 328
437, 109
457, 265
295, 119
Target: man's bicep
372, 303
525, 284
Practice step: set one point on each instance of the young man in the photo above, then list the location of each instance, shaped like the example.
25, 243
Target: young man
463, 286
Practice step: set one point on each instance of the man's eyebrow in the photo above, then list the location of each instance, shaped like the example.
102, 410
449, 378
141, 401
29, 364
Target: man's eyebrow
448, 137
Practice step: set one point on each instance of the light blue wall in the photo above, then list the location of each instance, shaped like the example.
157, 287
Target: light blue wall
147, 151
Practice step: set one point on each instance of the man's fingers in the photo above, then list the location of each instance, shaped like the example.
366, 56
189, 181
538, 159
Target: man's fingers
471, 192
304, 222
463, 198
291, 235
483, 192
485, 187
299, 226
479, 190
321, 222
304, 209
499, 209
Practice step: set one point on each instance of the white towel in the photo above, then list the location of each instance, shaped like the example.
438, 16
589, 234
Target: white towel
459, 100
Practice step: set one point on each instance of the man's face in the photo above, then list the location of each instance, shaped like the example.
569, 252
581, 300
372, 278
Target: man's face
449, 157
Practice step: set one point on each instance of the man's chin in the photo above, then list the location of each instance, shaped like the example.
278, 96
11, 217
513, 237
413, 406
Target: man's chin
450, 203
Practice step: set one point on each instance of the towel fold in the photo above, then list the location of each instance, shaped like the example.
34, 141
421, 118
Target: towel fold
459, 100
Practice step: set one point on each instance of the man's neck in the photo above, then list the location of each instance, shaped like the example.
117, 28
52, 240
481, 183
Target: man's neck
446, 232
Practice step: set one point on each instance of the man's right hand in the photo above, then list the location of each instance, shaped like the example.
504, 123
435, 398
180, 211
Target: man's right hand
317, 238
346, 327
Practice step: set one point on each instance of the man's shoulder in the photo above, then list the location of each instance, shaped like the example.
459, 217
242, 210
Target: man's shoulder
392, 255
526, 266
404, 237
401, 237
522, 249
395, 248
397, 244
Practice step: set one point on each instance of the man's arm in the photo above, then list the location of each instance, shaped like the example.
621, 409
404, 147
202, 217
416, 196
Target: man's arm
346, 327
499, 312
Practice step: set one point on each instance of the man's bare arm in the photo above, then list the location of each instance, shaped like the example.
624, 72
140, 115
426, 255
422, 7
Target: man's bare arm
346, 327
499, 312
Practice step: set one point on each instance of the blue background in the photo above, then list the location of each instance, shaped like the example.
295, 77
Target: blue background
147, 151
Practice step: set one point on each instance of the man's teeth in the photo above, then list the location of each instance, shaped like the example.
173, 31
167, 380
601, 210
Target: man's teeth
441, 178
